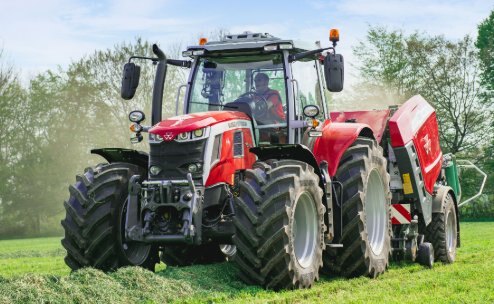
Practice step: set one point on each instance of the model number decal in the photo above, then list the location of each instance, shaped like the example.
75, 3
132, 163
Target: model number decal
236, 124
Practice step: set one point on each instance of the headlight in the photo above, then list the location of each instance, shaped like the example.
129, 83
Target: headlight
193, 135
311, 111
154, 170
192, 168
136, 116
198, 133
183, 136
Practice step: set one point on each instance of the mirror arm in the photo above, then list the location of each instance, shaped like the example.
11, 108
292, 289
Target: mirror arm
175, 62
180, 63
142, 57
299, 56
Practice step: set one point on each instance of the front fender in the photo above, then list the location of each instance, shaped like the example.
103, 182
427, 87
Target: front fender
289, 151
335, 140
114, 155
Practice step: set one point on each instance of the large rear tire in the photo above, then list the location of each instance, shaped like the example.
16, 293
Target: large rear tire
279, 220
366, 227
442, 232
94, 222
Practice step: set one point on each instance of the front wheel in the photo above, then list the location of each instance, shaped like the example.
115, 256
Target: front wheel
95, 221
279, 225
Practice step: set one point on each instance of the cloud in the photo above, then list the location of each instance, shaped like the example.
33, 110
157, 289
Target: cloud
40, 34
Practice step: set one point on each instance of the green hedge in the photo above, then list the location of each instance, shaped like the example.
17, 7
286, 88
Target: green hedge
480, 208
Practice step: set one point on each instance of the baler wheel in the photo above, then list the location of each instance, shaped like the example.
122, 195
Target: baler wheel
94, 221
366, 228
425, 255
279, 224
442, 232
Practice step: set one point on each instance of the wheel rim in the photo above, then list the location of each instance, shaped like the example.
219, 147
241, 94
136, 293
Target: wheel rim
305, 229
375, 212
450, 232
135, 252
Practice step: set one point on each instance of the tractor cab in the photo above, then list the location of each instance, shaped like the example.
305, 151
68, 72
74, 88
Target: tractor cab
269, 79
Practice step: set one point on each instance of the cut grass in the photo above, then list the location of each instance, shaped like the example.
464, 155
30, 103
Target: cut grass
39, 275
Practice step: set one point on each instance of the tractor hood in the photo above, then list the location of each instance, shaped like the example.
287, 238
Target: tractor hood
169, 128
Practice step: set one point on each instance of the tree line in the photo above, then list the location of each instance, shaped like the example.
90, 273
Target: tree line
456, 77
49, 126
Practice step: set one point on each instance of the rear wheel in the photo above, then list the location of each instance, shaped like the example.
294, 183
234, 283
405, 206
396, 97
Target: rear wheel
366, 227
442, 232
95, 221
279, 224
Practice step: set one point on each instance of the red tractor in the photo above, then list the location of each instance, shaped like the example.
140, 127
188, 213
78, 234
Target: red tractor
259, 171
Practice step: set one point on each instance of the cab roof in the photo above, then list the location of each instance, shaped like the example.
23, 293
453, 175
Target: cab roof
246, 41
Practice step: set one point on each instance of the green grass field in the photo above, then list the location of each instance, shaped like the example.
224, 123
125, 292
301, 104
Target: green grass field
32, 270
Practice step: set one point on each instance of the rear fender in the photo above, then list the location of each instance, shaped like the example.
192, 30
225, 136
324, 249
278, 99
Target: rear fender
335, 140
119, 155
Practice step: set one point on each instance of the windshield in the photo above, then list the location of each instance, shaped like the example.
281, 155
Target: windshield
256, 80
218, 81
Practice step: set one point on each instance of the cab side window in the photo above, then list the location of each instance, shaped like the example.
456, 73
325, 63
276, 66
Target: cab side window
306, 86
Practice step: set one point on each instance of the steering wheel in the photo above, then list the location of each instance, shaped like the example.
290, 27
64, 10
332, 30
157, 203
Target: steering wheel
259, 104
260, 107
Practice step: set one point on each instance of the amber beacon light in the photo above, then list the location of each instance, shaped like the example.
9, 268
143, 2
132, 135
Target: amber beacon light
334, 35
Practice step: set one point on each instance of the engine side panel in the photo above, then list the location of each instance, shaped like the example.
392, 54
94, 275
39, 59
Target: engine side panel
416, 122
228, 151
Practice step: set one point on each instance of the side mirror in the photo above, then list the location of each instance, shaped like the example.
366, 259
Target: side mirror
334, 72
130, 80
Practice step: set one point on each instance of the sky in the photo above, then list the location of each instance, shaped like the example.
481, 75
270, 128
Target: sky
39, 35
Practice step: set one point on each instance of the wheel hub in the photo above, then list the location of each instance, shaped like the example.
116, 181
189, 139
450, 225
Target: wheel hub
304, 229
450, 232
375, 212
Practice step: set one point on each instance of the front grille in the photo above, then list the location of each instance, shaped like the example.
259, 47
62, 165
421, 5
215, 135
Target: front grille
174, 157
238, 144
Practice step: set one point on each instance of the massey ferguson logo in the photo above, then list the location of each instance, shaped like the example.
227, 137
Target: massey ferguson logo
168, 136
427, 144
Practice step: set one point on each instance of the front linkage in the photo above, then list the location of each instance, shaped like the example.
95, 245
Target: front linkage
145, 224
